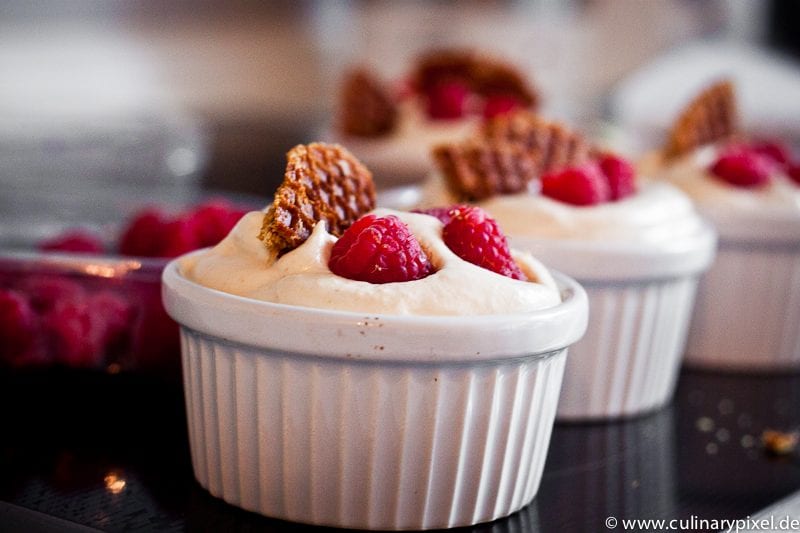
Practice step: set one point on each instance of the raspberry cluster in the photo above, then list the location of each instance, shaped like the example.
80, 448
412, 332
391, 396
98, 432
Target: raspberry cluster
383, 249
154, 233
607, 179
752, 165
53, 319
453, 99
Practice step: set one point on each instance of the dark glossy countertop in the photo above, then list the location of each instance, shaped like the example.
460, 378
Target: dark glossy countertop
111, 453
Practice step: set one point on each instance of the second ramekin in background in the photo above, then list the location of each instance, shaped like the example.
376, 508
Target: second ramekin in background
371, 422
641, 302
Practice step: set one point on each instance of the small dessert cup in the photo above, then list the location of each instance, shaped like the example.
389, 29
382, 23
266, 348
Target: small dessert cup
747, 316
638, 247
641, 299
370, 421
444, 95
748, 310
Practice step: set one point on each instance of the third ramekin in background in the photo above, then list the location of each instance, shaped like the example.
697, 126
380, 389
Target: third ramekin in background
747, 316
444, 94
748, 309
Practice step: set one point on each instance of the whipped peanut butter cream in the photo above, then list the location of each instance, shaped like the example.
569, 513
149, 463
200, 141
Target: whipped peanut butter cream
691, 174
243, 266
415, 128
407, 148
657, 213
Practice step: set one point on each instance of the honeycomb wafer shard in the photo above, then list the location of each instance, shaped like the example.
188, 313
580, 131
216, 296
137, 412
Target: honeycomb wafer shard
507, 153
710, 117
323, 182
367, 108
476, 170
552, 144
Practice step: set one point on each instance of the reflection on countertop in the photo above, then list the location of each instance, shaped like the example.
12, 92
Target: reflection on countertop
111, 452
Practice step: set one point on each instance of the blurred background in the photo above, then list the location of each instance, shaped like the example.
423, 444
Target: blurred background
112, 103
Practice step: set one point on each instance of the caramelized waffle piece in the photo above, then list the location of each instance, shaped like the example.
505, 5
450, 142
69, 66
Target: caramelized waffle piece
552, 145
323, 182
710, 117
367, 108
476, 170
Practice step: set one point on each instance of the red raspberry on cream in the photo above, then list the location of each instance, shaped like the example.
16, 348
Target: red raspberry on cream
379, 250
794, 172
578, 185
501, 104
447, 100
775, 150
620, 174
475, 237
743, 168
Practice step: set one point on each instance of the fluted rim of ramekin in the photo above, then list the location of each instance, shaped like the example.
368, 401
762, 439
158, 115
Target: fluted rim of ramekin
625, 262
373, 337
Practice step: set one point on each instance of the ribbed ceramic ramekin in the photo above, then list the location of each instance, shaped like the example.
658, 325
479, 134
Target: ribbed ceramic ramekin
747, 316
369, 422
641, 301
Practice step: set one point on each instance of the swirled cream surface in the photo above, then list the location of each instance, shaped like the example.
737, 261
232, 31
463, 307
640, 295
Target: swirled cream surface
657, 213
769, 213
243, 266
406, 150
691, 174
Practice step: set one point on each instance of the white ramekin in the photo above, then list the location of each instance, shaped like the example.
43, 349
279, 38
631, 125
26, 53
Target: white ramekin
365, 421
747, 316
641, 301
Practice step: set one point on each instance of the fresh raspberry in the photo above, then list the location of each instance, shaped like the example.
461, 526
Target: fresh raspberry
213, 220
579, 185
620, 175
77, 241
447, 100
442, 213
500, 104
155, 339
142, 237
45, 291
379, 250
114, 314
179, 237
793, 171
75, 334
743, 168
474, 236
18, 327
777, 151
